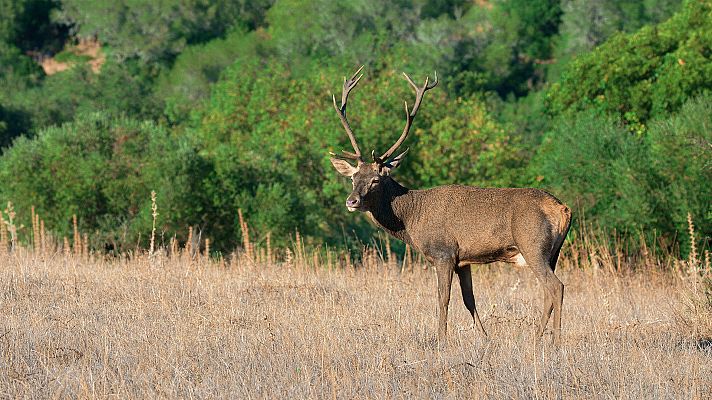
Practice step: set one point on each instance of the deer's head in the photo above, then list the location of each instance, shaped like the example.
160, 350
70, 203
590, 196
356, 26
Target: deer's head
369, 178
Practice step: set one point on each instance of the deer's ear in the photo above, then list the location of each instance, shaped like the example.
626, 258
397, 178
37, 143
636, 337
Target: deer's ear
395, 162
343, 167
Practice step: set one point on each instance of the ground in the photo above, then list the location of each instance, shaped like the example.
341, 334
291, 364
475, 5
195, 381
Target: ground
177, 328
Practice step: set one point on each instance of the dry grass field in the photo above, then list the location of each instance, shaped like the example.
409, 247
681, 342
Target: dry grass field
180, 327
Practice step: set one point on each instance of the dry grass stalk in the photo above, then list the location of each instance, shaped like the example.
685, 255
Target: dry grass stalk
154, 213
247, 245
207, 248
85, 247
329, 260
174, 247
77, 238
43, 238
693, 260
35, 228
288, 258
10, 212
269, 248
389, 254
315, 260
189, 242
298, 248
67, 249
3, 237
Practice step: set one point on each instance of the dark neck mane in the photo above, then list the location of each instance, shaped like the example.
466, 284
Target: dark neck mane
395, 209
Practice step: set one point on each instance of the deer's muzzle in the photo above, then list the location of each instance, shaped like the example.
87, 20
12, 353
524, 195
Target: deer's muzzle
353, 203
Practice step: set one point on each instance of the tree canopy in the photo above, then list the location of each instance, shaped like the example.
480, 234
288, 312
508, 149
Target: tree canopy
220, 106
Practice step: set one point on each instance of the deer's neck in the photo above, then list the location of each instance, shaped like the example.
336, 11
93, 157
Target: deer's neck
395, 212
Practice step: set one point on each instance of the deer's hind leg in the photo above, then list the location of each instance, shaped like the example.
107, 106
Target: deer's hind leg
468, 297
537, 254
553, 296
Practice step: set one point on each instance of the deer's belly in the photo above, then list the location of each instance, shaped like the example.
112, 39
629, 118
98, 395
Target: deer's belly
489, 255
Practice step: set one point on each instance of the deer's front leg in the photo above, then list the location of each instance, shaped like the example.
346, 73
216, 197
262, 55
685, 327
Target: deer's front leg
444, 267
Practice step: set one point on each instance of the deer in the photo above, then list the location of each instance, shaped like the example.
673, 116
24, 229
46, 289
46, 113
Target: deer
456, 226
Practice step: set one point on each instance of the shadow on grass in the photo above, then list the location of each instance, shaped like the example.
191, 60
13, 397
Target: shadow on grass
704, 345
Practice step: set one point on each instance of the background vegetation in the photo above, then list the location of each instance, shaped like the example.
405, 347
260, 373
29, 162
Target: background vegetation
220, 105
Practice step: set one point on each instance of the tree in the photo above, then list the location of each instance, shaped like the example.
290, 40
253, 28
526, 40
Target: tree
102, 169
158, 31
638, 76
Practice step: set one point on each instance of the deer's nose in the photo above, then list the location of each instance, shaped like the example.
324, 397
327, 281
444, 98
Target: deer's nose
352, 203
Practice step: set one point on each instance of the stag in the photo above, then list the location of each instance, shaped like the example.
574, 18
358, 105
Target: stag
455, 226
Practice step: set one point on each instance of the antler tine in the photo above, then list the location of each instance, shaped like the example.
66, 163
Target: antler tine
347, 155
348, 85
410, 116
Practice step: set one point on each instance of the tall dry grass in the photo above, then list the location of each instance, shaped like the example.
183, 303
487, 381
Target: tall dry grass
312, 323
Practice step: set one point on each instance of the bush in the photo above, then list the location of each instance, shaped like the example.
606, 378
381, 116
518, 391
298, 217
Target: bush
102, 169
643, 75
188, 82
622, 181
158, 31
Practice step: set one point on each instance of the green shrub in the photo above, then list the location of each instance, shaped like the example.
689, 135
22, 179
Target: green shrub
642, 75
102, 169
618, 180
189, 80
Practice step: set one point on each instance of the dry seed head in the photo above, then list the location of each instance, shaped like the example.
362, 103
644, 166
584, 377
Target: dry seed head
693, 246
154, 213
245, 234
189, 243
10, 211
288, 259
43, 237
85, 246
77, 238
3, 237
35, 228
269, 247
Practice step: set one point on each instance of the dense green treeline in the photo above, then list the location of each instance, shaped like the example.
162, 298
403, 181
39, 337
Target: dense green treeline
224, 105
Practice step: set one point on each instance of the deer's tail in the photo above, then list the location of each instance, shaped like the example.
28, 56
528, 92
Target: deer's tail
565, 221
564, 226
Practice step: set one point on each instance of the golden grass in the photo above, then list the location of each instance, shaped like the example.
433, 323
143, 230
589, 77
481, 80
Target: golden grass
180, 327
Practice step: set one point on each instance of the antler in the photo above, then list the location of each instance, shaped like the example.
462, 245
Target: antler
419, 92
348, 85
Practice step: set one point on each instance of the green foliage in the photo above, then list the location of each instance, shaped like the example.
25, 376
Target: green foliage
100, 168
681, 154
595, 165
119, 89
587, 24
155, 31
504, 46
27, 25
619, 180
467, 146
196, 69
583, 97
645, 74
